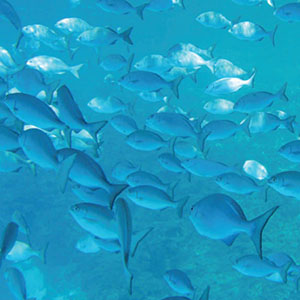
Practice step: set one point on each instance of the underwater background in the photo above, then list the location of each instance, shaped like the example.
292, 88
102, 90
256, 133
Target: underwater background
173, 243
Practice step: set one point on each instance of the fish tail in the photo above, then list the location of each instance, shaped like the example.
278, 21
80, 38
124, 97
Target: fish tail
181, 4
245, 126
129, 62
43, 253
64, 171
140, 10
119, 188
235, 21
259, 224
250, 81
50, 90
95, 127
201, 139
174, 86
74, 70
284, 271
210, 51
205, 294
271, 3
139, 238
282, 93
125, 35
272, 35
211, 65
180, 205
297, 279
288, 123
171, 187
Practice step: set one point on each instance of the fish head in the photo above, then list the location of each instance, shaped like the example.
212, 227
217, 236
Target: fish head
31, 63
61, 24
78, 210
132, 194
282, 13
284, 150
151, 120
274, 181
28, 29
208, 106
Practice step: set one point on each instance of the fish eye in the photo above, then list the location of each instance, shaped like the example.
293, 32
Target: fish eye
76, 208
273, 179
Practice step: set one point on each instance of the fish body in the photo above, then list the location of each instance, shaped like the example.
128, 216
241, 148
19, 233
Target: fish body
251, 32
219, 217
214, 20
50, 65
289, 12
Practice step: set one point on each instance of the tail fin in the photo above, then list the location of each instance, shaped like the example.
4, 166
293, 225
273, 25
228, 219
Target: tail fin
258, 225
43, 253
211, 64
51, 87
118, 189
74, 70
181, 4
129, 62
95, 127
201, 139
171, 187
284, 271
125, 35
250, 81
140, 10
288, 123
180, 205
137, 238
244, 125
281, 93
174, 86
210, 51
272, 35
205, 294
64, 171
235, 21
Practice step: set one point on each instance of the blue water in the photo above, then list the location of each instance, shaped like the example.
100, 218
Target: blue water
174, 243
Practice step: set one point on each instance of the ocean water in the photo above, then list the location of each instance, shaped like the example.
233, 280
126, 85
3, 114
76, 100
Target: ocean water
174, 243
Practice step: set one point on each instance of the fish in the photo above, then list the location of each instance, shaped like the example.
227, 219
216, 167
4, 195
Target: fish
103, 36
16, 283
124, 124
214, 20
219, 217
228, 85
124, 230
98, 220
170, 162
96, 196
289, 12
164, 5
116, 62
186, 149
50, 65
155, 63
204, 167
190, 47
254, 2
123, 169
286, 183
262, 122
239, 184
9, 139
179, 282
72, 26
70, 114
19, 219
291, 151
252, 265
252, 32
145, 140
141, 81
121, 7
110, 105
33, 111
13, 162
224, 68
8, 240
259, 100
22, 251
32, 82
153, 198
219, 107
